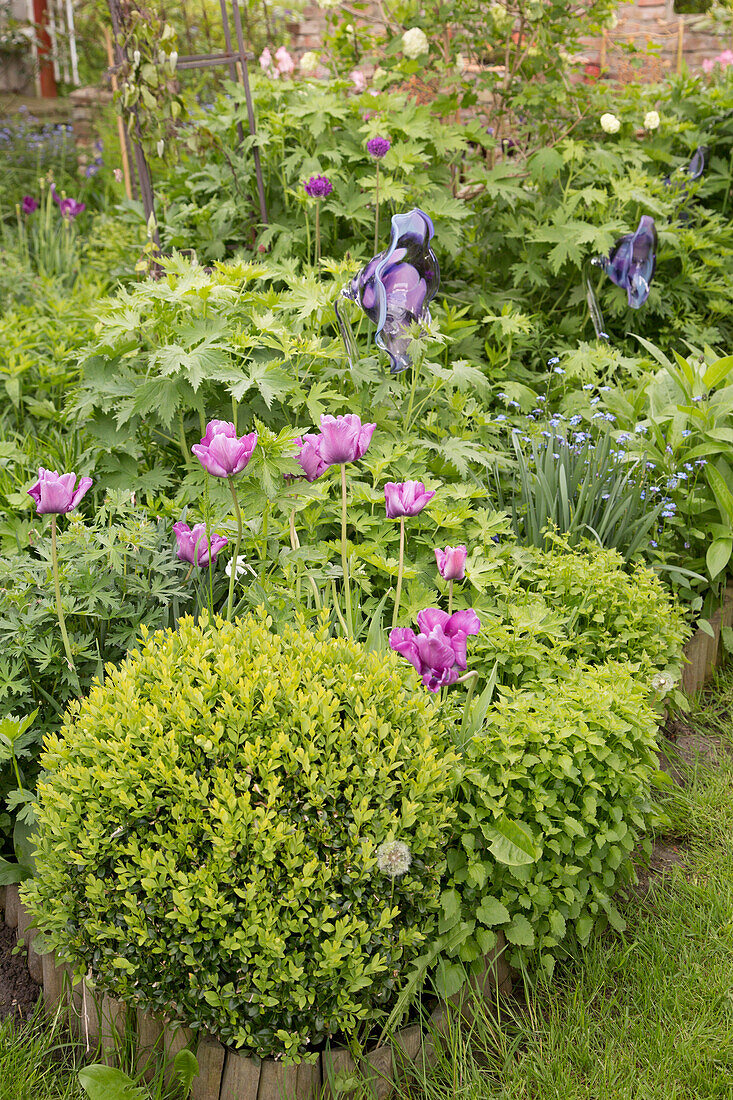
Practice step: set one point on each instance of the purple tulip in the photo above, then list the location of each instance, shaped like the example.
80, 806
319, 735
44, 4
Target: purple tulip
438, 652
70, 208
57, 494
310, 458
220, 452
406, 498
344, 438
452, 562
378, 147
318, 187
28, 204
193, 546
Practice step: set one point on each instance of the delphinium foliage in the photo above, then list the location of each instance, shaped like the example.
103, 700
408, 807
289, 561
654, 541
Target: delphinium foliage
248, 832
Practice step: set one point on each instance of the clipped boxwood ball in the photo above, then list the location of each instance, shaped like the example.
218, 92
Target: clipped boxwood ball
244, 830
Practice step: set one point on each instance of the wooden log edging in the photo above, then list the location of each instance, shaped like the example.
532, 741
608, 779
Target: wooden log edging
100, 1021
704, 653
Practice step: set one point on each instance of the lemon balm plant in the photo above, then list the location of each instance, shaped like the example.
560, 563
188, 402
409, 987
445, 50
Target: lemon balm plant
245, 831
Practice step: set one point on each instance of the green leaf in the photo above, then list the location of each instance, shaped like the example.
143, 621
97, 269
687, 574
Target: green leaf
510, 843
105, 1083
185, 1067
11, 873
520, 932
718, 556
449, 978
722, 493
491, 911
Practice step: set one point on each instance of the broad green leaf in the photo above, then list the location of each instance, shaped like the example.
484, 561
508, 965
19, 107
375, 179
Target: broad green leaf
491, 911
449, 978
185, 1067
510, 844
718, 555
717, 371
520, 932
105, 1083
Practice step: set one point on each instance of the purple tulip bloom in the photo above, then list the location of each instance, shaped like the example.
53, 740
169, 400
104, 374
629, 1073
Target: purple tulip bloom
452, 562
378, 147
57, 494
28, 204
71, 209
193, 546
406, 498
438, 652
318, 187
632, 261
344, 438
220, 452
309, 458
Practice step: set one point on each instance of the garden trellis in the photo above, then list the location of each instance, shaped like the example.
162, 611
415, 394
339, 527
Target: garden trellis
234, 57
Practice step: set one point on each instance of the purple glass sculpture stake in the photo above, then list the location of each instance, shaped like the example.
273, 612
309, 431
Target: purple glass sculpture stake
396, 288
632, 261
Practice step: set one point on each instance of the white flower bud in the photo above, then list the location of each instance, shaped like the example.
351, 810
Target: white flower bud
610, 124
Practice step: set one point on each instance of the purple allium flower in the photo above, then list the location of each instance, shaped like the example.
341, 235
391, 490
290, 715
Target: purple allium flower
57, 494
28, 204
438, 652
344, 438
318, 187
193, 545
310, 458
220, 452
406, 498
451, 562
378, 147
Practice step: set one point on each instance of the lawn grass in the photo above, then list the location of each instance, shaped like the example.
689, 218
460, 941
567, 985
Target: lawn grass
643, 1015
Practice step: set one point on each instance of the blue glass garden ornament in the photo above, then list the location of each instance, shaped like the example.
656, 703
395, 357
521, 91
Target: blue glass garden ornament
395, 288
632, 261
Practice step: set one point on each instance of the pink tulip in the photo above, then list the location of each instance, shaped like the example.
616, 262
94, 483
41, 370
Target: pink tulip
452, 562
438, 652
193, 545
344, 438
56, 494
406, 498
310, 458
220, 452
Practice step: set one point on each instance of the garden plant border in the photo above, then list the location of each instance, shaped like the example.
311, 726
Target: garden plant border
101, 1021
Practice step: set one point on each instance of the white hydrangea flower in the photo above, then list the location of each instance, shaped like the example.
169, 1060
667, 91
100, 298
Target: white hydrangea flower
651, 120
309, 63
610, 124
662, 683
414, 43
393, 858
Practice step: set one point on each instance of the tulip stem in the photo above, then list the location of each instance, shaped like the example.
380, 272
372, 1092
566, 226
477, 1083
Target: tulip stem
450, 597
344, 555
57, 588
400, 568
471, 678
376, 215
235, 558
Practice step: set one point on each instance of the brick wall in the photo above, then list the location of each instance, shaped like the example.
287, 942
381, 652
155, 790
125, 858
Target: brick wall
643, 23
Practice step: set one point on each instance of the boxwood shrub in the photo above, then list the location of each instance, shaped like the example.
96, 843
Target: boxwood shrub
209, 827
573, 765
